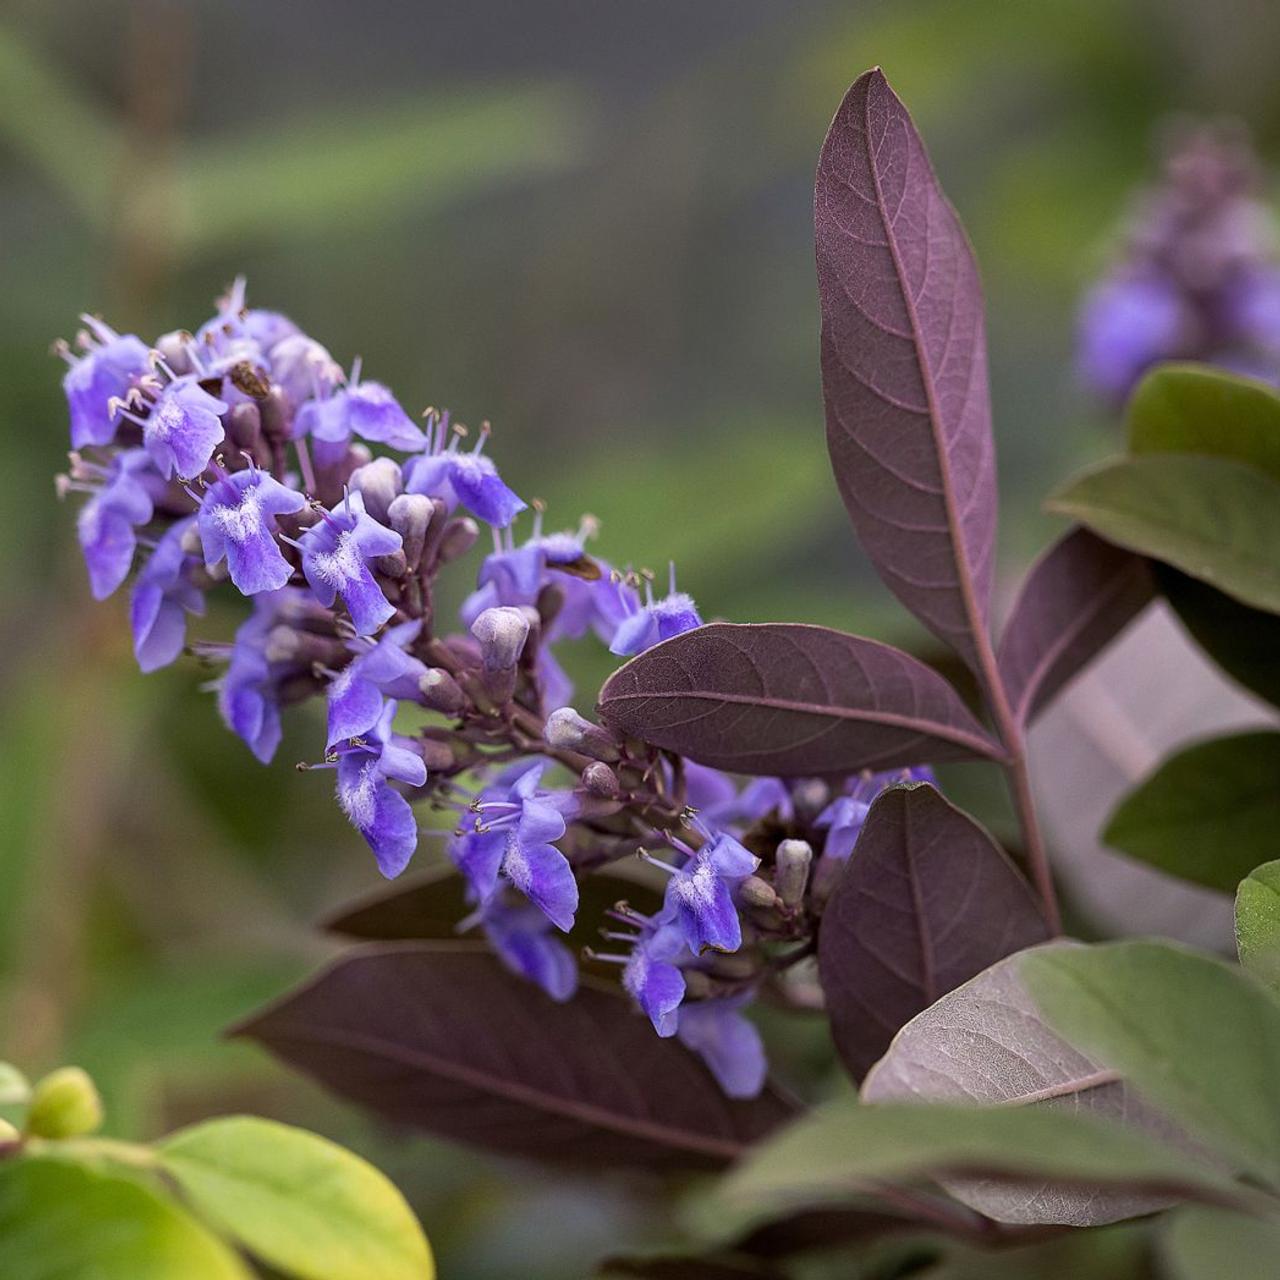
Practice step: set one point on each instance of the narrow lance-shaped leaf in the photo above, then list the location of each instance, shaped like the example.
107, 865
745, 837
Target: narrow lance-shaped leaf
842, 1148
788, 699
447, 1041
1258, 923
1209, 814
904, 367
1214, 518
1075, 600
986, 1043
926, 901
1199, 1039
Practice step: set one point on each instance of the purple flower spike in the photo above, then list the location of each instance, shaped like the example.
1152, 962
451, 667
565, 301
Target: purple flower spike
728, 1042
237, 523
162, 597
700, 894
364, 409
657, 620
335, 558
511, 836
379, 812
652, 976
385, 669
122, 500
183, 428
1126, 325
521, 936
469, 479
106, 372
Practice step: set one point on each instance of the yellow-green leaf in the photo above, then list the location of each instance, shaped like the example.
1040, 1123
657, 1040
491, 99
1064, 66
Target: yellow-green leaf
301, 1203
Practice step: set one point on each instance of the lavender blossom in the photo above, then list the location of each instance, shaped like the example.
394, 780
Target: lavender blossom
122, 499
162, 597
655, 621
98, 382
521, 937
727, 1041
237, 524
469, 478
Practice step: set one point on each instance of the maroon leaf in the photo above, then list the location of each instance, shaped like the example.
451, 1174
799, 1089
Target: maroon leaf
444, 1039
1075, 600
788, 699
904, 367
927, 901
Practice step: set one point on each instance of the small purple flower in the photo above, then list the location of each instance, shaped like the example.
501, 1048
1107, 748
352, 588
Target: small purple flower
512, 836
237, 523
242, 330
335, 558
162, 597
1126, 325
99, 379
700, 894
468, 479
123, 494
727, 1041
521, 937
249, 690
382, 670
364, 409
303, 368
1252, 305
183, 428
845, 815
366, 768
651, 975
655, 621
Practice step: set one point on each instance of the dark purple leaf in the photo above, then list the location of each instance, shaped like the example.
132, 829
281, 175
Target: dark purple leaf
927, 901
676, 1266
1075, 600
787, 699
444, 1039
904, 367
431, 905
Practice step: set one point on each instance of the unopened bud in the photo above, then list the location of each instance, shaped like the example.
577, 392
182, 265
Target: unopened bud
275, 415
288, 644
791, 871
755, 892
601, 781
174, 348
393, 566
458, 538
569, 731
501, 632
65, 1104
440, 691
380, 483
437, 756
410, 516
244, 426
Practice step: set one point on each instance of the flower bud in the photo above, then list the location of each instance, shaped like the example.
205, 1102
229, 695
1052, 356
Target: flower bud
501, 632
65, 1104
569, 731
791, 870
437, 756
244, 427
393, 566
755, 892
458, 538
410, 516
601, 781
440, 691
174, 347
380, 483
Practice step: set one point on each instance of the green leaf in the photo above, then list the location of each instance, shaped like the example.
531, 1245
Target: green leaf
14, 1087
1197, 1038
301, 1203
65, 1221
846, 1146
1242, 641
1214, 518
1194, 409
1209, 814
1210, 1244
1258, 923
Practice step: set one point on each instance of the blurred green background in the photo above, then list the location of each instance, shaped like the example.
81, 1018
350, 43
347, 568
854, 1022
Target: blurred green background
587, 222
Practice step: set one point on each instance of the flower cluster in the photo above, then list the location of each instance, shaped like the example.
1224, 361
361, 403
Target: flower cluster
242, 453
1198, 277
